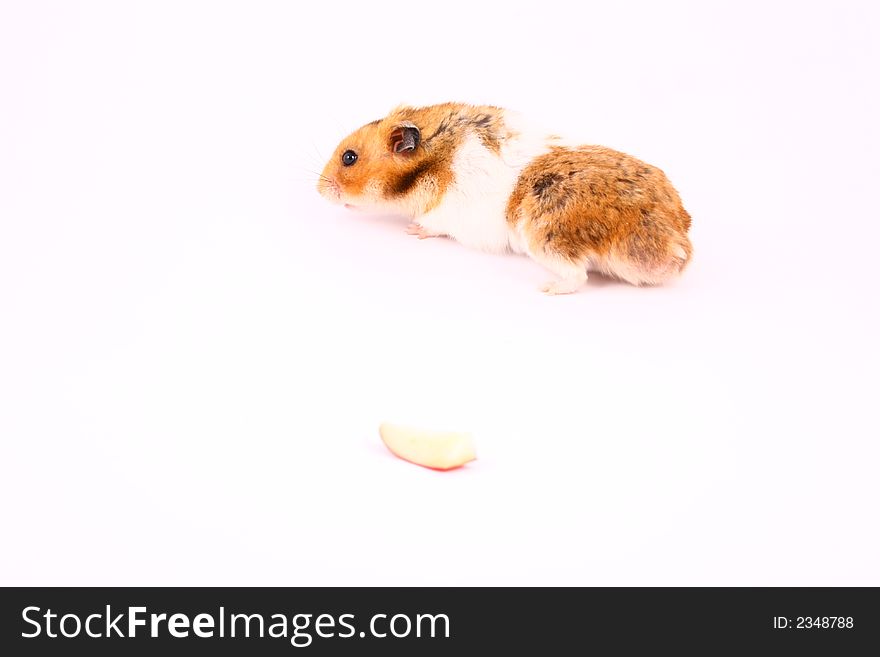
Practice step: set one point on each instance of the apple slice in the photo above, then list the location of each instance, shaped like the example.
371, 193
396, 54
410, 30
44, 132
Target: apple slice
441, 450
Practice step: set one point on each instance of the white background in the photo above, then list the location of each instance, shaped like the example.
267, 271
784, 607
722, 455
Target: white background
196, 350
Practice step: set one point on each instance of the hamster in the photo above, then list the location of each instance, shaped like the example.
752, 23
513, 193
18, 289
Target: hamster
480, 175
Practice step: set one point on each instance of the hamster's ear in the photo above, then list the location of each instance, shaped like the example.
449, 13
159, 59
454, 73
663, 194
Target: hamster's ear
405, 138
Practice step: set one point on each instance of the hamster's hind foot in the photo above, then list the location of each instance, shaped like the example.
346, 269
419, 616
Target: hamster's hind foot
571, 275
564, 286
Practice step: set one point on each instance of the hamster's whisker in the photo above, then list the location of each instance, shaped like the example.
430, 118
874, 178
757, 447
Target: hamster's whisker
317, 152
314, 162
320, 176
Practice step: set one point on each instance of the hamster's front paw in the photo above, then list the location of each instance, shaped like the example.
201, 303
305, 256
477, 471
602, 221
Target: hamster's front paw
420, 231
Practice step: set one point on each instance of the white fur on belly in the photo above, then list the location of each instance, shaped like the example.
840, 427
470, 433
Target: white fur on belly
473, 209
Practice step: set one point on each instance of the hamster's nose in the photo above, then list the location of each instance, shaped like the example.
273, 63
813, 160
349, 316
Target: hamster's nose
329, 189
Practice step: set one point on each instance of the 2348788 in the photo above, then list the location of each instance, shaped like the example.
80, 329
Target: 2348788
823, 622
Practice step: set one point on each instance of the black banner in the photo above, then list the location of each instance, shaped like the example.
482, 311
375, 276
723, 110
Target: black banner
438, 621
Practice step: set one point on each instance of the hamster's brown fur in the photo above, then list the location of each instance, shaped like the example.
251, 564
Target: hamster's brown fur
594, 202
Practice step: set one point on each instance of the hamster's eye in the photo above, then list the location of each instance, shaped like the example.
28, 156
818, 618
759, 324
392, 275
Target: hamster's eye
349, 158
